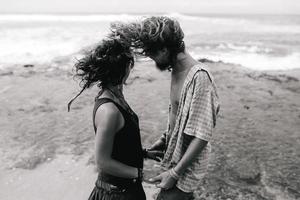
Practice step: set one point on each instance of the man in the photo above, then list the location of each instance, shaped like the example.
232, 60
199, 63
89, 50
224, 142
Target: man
193, 106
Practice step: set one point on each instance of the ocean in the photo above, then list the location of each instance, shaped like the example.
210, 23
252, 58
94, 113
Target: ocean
260, 42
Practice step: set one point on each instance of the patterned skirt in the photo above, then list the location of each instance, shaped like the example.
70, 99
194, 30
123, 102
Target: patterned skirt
106, 191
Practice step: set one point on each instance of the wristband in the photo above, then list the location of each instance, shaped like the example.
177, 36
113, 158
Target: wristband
174, 174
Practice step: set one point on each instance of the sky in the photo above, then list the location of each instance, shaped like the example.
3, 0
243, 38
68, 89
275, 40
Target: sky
152, 6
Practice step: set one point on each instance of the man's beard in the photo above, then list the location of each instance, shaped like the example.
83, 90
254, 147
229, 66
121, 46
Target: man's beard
162, 66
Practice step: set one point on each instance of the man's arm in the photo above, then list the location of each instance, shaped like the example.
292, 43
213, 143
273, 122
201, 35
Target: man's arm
166, 179
193, 151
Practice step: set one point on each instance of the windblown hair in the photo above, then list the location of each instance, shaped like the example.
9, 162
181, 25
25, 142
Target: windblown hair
152, 34
105, 65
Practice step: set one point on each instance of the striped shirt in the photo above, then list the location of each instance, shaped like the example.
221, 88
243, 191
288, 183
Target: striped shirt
196, 116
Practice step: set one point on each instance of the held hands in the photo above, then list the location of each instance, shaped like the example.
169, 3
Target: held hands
159, 145
154, 155
155, 152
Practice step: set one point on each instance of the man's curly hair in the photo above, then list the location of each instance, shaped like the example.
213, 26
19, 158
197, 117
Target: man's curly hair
106, 64
152, 34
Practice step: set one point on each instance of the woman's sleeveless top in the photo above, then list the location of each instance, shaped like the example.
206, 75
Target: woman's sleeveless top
127, 147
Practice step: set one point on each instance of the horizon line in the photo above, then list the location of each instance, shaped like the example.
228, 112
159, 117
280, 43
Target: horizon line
140, 13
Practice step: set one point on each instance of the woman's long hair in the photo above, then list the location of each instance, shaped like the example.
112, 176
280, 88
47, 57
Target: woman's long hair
105, 65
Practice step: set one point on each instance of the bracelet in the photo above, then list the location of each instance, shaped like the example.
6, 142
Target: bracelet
174, 174
140, 174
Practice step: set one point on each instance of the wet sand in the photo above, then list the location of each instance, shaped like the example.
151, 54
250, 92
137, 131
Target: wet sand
47, 153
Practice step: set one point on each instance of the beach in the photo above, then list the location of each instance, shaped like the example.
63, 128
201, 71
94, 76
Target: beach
48, 153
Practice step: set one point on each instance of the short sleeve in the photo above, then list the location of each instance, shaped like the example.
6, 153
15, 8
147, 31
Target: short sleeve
203, 108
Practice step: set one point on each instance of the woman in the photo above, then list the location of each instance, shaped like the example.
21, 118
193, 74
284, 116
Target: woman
119, 153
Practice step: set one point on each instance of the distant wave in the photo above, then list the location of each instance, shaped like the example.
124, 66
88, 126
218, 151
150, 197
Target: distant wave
262, 44
244, 48
254, 61
227, 46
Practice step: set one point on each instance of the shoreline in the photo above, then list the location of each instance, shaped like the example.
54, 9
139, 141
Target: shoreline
64, 63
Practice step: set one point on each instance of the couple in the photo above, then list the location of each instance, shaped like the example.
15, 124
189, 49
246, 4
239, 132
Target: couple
184, 148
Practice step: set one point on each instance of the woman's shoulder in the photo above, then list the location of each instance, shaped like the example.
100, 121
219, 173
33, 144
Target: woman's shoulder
104, 103
108, 115
107, 107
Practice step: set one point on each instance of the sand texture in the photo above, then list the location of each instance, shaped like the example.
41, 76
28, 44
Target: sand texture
47, 153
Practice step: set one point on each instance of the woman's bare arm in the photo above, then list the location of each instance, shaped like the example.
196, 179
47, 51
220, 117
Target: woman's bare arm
108, 121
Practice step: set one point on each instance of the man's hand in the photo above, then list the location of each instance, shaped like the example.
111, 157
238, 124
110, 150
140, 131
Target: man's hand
150, 173
165, 181
154, 155
159, 145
